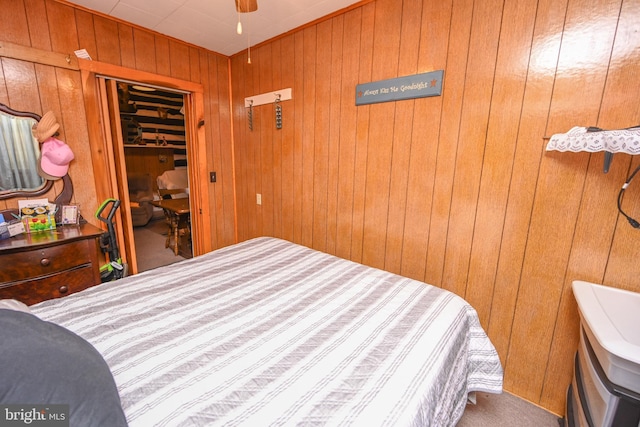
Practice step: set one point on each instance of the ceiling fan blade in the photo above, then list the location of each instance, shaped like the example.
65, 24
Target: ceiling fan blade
245, 6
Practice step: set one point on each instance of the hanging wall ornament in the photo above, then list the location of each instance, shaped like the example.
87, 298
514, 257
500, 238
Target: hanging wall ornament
278, 109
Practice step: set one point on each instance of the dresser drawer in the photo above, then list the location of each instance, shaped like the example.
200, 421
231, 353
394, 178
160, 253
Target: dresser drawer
54, 286
44, 261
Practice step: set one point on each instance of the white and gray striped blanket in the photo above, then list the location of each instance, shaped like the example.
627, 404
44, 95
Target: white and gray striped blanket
267, 332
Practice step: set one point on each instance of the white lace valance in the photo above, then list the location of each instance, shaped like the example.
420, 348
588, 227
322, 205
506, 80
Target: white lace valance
612, 141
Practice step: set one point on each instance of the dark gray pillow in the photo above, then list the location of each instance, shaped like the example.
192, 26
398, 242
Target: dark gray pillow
43, 363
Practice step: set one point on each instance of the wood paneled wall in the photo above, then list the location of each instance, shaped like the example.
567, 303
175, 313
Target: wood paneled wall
455, 190
57, 26
151, 160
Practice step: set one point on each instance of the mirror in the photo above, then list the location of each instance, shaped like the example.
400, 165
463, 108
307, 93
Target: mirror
19, 155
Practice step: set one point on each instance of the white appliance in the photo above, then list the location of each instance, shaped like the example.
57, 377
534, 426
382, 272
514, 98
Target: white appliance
605, 390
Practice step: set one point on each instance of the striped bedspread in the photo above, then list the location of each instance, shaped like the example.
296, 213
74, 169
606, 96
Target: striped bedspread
267, 332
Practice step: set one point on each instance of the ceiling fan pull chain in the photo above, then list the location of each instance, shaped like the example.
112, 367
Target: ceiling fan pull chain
249, 46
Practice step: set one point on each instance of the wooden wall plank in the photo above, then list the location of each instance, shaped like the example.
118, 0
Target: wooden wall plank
145, 50
402, 138
483, 45
276, 149
456, 67
264, 146
13, 21
337, 43
255, 163
222, 159
23, 86
434, 40
38, 26
308, 126
212, 129
546, 261
50, 96
385, 65
226, 161
239, 117
194, 65
347, 123
179, 55
287, 70
298, 102
107, 40
127, 49
365, 71
497, 169
528, 152
241, 141
70, 117
86, 32
163, 56
250, 166
322, 126
62, 41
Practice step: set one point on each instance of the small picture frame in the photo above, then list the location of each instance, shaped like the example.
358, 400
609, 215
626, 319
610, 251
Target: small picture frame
70, 215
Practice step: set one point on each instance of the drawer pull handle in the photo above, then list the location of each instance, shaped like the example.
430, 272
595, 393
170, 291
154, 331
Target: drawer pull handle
63, 289
45, 262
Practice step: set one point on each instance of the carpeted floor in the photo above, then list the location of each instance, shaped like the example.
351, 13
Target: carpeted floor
506, 410
150, 250
158, 225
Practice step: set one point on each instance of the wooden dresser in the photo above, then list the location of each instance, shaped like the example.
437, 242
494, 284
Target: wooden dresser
51, 264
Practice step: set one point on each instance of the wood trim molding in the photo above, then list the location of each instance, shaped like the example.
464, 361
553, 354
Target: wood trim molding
118, 72
102, 144
199, 193
26, 53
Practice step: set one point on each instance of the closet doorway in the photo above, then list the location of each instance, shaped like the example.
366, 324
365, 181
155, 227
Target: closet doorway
152, 125
107, 136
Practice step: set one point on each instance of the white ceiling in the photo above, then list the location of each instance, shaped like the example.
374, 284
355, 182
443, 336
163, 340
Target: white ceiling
211, 24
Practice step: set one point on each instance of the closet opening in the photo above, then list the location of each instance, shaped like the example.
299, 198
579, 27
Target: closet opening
151, 126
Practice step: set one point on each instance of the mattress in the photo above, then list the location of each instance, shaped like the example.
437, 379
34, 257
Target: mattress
267, 332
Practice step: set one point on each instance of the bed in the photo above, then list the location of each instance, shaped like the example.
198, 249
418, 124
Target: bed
267, 332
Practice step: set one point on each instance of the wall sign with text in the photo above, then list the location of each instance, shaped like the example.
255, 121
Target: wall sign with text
408, 87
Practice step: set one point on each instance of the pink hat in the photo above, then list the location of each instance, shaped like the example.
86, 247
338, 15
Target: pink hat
55, 157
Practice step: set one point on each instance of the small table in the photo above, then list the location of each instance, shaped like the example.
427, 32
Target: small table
178, 216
